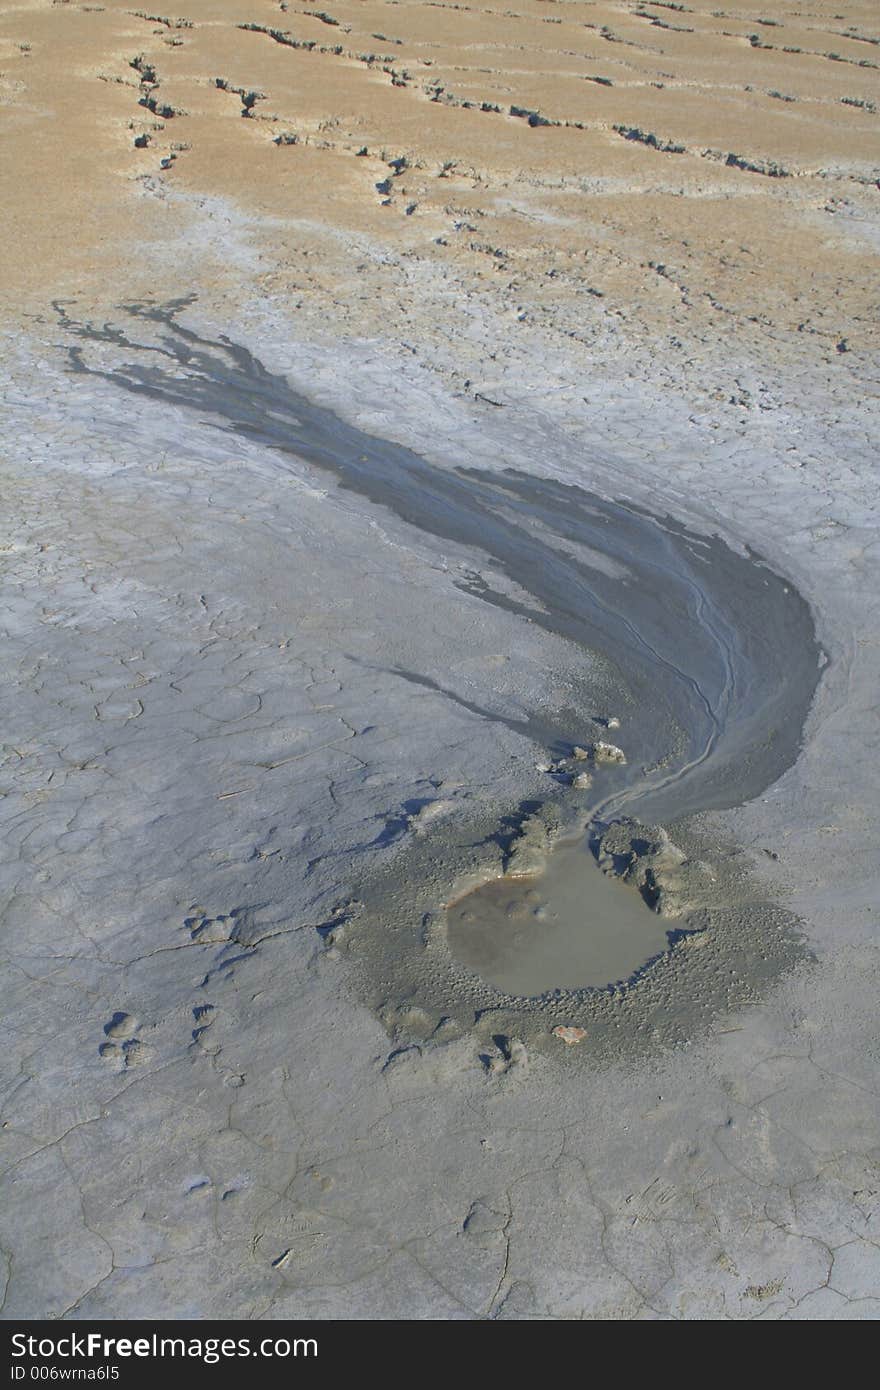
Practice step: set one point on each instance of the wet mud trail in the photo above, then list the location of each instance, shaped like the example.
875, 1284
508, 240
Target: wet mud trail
715, 654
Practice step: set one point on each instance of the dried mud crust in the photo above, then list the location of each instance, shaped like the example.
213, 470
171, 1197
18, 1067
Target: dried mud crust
729, 943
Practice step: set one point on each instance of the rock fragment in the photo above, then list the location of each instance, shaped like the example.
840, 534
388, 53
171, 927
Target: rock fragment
569, 1035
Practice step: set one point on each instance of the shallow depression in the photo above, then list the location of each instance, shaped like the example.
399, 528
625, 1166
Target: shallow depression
570, 927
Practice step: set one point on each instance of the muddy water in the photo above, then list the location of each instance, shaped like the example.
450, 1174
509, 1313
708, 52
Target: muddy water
572, 927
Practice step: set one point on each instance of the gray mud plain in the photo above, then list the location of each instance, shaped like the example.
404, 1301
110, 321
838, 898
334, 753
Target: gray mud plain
299, 689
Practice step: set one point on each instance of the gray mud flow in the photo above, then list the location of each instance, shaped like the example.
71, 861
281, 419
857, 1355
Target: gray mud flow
716, 653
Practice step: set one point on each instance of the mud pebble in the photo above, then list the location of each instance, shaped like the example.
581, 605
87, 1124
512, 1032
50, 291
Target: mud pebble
570, 1036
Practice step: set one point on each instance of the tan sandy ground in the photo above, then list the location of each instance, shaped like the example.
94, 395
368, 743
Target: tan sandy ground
707, 176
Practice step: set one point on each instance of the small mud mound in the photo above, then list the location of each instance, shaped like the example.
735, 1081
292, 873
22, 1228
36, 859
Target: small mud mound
645, 858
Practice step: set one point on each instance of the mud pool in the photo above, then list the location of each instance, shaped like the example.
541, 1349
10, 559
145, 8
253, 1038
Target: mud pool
571, 927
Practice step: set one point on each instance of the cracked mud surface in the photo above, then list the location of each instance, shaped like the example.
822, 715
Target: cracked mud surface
251, 715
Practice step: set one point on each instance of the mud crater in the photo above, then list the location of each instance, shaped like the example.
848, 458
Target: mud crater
704, 940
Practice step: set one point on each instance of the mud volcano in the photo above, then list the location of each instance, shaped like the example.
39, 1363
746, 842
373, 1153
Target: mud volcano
709, 658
